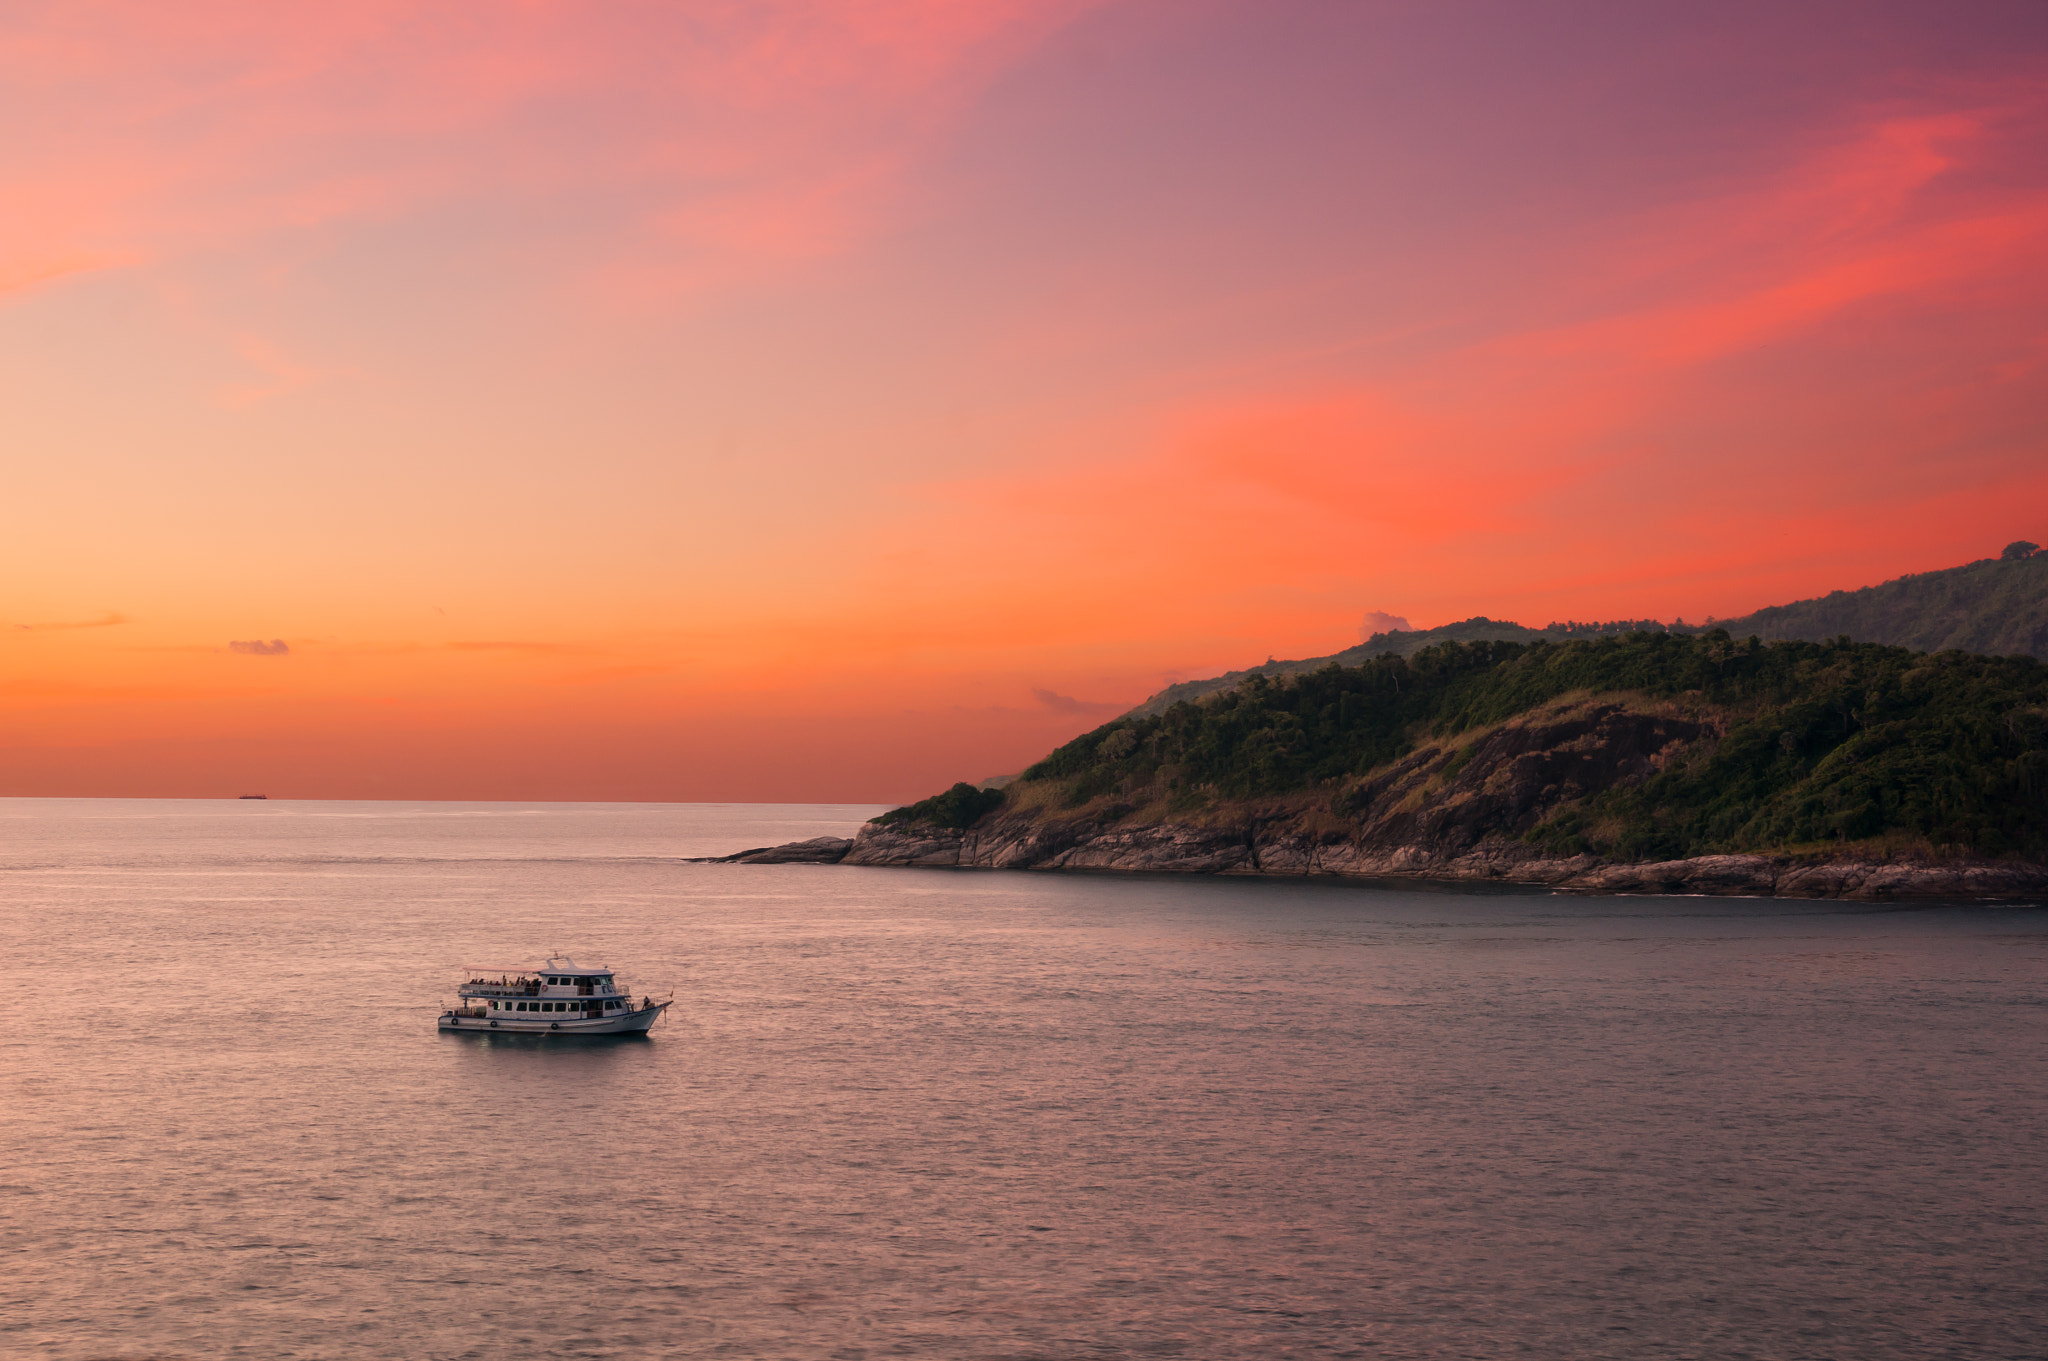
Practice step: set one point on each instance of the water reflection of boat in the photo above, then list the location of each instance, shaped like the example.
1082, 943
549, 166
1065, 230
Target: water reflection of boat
560, 997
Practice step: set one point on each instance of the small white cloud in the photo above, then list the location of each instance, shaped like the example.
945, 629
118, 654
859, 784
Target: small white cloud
1067, 704
256, 647
1379, 621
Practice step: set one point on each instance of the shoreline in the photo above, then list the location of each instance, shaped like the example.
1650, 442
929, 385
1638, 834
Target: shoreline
1238, 852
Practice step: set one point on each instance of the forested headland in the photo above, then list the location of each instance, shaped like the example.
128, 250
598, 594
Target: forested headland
1772, 747
1630, 755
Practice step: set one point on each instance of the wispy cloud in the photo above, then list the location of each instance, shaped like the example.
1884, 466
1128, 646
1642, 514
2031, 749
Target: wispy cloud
106, 621
735, 133
515, 645
1751, 354
256, 647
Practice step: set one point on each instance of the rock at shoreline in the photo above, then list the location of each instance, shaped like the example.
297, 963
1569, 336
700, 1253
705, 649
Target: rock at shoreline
1176, 848
819, 850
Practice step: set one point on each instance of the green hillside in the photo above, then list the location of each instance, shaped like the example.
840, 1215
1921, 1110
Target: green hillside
1399, 643
1997, 606
1799, 743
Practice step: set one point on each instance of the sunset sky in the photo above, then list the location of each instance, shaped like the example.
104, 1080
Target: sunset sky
792, 400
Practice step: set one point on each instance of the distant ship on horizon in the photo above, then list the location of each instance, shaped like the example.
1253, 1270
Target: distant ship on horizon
252, 796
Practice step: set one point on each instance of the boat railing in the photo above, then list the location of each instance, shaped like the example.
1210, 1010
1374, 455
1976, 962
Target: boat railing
627, 1004
532, 990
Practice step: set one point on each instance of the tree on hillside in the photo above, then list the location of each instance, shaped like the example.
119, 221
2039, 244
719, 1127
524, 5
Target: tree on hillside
2019, 548
961, 806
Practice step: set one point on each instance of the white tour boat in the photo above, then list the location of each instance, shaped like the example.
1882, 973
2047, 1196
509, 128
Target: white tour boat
561, 997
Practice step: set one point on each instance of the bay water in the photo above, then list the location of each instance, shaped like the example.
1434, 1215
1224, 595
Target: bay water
988, 1115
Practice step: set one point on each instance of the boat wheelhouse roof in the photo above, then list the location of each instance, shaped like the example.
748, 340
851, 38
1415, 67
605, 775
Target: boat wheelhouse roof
554, 964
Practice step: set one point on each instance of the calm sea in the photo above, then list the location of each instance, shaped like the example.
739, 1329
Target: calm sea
926, 1114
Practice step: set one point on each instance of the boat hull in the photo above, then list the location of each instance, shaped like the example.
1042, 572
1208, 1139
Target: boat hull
631, 1022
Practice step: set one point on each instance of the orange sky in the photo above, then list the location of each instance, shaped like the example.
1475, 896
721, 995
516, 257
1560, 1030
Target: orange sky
791, 400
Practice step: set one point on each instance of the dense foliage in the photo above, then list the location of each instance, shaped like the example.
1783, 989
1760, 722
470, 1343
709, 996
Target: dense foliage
1399, 643
1825, 741
961, 806
1573, 628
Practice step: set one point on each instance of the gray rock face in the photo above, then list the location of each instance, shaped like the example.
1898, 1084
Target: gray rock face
1506, 781
1169, 848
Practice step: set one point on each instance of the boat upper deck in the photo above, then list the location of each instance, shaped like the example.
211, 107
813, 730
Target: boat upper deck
560, 977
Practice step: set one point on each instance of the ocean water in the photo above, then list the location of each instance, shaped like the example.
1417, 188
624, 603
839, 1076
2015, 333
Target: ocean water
931, 1114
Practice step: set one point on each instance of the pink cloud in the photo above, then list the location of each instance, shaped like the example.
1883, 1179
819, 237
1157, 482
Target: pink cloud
1562, 453
719, 131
